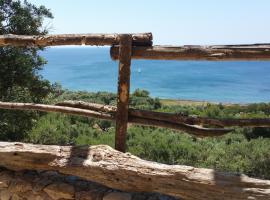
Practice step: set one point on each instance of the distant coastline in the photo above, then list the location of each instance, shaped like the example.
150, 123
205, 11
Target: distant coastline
175, 102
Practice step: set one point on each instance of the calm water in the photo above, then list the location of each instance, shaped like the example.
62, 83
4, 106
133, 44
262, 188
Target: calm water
91, 69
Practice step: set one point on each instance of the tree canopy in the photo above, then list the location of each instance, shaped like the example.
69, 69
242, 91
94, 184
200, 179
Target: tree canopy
19, 67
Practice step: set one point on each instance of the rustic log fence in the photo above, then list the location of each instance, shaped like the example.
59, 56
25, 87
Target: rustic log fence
125, 47
124, 171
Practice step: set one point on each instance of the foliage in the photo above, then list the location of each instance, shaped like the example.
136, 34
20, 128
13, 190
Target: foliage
231, 153
140, 93
19, 67
246, 150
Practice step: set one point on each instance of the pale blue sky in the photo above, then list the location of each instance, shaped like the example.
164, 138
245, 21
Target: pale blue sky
174, 22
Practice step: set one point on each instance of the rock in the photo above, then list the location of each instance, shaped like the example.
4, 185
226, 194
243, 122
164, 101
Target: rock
5, 179
117, 196
139, 197
31, 196
5, 195
16, 197
19, 186
60, 191
83, 195
40, 185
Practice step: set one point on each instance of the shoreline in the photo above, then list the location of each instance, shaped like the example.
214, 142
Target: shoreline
175, 102
179, 102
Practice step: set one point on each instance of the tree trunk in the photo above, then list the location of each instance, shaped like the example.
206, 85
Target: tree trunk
123, 171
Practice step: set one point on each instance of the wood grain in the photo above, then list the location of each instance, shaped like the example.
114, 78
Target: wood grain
191, 52
140, 39
123, 171
123, 92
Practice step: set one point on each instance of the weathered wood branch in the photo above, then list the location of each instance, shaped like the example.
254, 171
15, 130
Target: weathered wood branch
52, 108
123, 87
190, 129
142, 117
172, 117
143, 39
194, 130
89, 106
189, 52
123, 171
249, 122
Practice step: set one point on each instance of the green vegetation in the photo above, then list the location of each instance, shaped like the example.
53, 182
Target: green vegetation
246, 150
19, 79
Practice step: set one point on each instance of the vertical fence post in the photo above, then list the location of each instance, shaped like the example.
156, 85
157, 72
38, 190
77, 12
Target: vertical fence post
125, 47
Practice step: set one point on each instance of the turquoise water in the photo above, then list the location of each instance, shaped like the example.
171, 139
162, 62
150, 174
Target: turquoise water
92, 69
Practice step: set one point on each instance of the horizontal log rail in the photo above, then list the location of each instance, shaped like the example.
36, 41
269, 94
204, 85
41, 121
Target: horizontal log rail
190, 124
192, 52
142, 47
143, 39
172, 117
123, 171
100, 114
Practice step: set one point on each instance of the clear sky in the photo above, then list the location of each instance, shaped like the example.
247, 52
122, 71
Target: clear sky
172, 22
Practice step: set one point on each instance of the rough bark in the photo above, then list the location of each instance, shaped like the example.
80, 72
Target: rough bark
123, 92
143, 39
123, 171
189, 52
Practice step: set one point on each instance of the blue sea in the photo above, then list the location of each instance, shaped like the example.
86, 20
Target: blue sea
91, 69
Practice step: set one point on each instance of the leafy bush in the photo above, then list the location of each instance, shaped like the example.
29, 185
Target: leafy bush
19, 67
246, 150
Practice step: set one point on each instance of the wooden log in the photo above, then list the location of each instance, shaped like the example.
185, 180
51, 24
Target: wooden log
52, 108
123, 171
194, 130
172, 117
189, 52
191, 129
143, 39
123, 91
249, 122
88, 106
149, 118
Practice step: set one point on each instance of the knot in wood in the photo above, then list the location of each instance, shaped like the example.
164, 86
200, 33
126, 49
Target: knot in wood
97, 157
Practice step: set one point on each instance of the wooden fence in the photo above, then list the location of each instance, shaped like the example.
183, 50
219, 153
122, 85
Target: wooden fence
125, 47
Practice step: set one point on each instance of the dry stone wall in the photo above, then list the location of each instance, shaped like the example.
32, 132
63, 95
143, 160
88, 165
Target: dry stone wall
49, 185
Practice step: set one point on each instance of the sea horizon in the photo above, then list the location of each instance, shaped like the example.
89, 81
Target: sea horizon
91, 69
